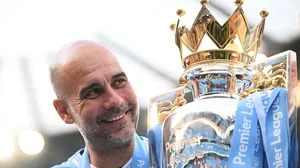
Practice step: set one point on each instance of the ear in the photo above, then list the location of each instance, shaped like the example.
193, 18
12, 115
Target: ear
63, 111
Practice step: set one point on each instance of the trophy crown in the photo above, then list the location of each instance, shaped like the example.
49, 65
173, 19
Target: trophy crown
207, 41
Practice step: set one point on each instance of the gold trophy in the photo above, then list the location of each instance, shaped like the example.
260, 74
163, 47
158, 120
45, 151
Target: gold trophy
220, 71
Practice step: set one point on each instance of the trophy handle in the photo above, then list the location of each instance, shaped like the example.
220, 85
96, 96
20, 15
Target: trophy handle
161, 106
276, 70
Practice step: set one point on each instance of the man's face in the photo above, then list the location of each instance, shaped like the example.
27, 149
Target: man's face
100, 97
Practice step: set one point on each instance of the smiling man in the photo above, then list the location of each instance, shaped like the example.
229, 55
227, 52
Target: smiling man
94, 93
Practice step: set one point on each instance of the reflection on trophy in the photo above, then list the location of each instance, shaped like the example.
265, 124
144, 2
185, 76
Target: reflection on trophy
237, 116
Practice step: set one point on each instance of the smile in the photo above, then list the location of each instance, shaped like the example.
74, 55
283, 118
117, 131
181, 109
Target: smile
116, 118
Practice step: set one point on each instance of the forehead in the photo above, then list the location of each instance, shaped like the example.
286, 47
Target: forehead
87, 53
89, 60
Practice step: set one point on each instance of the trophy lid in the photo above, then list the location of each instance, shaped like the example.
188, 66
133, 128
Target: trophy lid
207, 41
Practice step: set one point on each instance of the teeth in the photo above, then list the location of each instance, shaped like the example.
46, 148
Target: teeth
116, 118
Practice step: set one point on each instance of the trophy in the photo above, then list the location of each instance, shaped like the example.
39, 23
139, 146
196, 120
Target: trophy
231, 111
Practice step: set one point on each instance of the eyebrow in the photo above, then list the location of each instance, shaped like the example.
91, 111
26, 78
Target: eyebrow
118, 75
85, 89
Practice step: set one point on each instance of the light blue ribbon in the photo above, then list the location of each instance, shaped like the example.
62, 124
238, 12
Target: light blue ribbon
244, 135
268, 115
140, 158
258, 158
154, 135
272, 110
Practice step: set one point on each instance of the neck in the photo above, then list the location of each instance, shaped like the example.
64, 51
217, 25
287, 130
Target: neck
111, 158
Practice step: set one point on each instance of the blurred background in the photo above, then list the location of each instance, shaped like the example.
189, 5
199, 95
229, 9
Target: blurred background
31, 31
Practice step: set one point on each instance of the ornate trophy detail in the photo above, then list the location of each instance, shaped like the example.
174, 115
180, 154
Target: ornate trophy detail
216, 128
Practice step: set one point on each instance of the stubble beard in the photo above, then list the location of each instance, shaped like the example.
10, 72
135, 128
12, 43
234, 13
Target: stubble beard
101, 140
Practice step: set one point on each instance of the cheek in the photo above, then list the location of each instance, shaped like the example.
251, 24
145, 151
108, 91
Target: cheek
91, 109
130, 95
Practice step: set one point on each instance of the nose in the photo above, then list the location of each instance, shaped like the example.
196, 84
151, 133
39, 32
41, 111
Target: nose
112, 99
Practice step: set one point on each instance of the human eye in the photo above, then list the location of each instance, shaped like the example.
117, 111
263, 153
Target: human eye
119, 82
93, 93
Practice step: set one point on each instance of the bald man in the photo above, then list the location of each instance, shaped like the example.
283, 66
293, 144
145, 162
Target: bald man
94, 93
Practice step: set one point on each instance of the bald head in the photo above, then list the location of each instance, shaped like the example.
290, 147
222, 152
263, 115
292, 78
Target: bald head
72, 52
75, 49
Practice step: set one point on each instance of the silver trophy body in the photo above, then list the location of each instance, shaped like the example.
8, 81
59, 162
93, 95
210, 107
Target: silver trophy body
197, 132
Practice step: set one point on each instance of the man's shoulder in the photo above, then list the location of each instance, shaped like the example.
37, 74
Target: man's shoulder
72, 162
144, 138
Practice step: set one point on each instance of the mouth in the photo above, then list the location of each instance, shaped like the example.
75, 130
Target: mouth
115, 118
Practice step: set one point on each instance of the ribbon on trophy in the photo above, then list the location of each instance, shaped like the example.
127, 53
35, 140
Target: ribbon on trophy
155, 138
140, 154
261, 135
